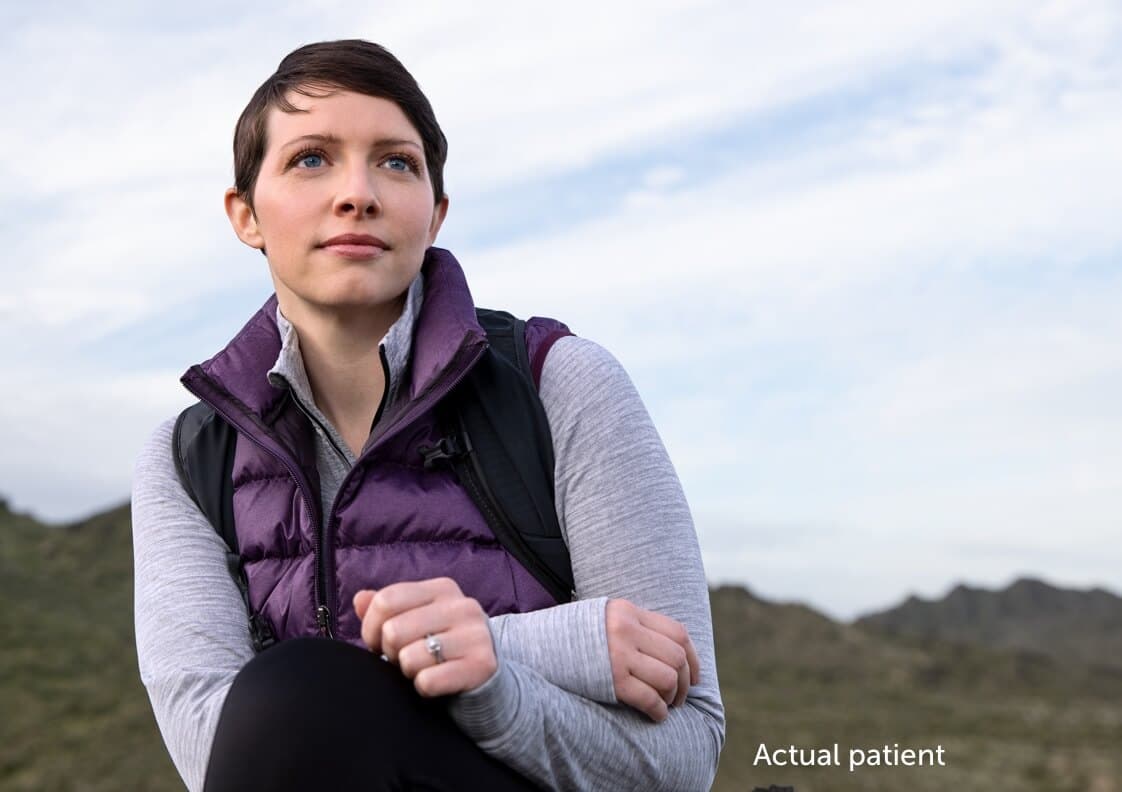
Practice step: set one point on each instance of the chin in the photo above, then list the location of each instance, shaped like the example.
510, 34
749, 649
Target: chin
357, 298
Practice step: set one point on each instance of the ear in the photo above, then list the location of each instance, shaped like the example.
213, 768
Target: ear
439, 212
242, 219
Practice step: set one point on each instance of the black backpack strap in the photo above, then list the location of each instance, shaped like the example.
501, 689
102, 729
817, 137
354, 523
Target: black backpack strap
502, 451
203, 447
203, 444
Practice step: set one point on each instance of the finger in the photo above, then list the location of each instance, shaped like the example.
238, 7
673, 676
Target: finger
444, 679
676, 632
400, 597
413, 625
371, 626
471, 641
671, 628
694, 661
469, 661
391, 600
673, 655
361, 602
658, 646
683, 686
642, 697
458, 676
664, 679
416, 657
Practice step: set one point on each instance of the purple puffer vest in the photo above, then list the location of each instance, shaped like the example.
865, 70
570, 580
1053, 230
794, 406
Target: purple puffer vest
392, 520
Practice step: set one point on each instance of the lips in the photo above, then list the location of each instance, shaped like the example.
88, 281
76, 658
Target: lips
355, 246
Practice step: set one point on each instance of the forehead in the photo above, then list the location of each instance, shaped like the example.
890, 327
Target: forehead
346, 115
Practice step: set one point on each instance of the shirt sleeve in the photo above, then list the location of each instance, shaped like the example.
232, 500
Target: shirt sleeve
191, 633
549, 711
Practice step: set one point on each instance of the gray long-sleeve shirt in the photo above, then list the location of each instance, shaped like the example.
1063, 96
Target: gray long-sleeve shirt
550, 711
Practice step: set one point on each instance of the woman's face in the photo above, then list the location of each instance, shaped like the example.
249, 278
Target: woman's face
343, 205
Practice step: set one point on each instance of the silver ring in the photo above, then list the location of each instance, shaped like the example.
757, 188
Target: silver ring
435, 647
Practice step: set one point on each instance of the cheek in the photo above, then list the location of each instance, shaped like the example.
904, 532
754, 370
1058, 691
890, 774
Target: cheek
420, 218
285, 220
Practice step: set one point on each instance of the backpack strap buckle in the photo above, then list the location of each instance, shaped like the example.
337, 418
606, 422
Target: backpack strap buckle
447, 449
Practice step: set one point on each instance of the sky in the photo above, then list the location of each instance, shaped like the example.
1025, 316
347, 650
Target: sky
863, 261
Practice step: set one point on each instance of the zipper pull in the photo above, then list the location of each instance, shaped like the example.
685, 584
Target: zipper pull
260, 632
323, 619
447, 448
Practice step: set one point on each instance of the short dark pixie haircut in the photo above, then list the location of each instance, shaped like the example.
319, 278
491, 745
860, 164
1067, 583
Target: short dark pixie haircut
320, 69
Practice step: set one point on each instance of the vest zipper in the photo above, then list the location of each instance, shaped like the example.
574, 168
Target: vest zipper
402, 418
385, 390
323, 614
323, 619
316, 422
323, 611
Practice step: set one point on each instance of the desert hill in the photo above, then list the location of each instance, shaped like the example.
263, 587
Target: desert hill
75, 716
1028, 614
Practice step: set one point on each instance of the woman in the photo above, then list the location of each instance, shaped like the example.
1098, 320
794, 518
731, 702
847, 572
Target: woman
452, 667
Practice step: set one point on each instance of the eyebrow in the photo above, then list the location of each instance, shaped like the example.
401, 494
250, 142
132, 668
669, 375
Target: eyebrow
334, 139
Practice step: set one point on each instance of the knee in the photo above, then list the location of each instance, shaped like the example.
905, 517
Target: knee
296, 703
306, 677
313, 690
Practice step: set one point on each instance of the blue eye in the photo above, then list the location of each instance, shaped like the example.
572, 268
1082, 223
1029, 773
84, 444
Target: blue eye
402, 163
310, 161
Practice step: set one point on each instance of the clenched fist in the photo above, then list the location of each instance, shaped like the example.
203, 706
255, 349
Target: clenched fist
397, 621
653, 659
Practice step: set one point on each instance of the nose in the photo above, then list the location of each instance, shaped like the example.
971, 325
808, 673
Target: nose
357, 194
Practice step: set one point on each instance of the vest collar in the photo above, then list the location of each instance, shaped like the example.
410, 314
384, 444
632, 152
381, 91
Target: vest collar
447, 325
446, 334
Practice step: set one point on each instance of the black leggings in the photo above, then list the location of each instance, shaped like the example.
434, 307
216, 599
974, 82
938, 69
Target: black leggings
312, 714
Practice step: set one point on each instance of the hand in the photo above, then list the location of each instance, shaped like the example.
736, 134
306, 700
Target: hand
653, 659
397, 619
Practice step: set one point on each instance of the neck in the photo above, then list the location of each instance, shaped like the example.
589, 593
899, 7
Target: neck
343, 363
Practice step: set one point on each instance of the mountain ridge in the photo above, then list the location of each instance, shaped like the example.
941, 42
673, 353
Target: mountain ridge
1029, 614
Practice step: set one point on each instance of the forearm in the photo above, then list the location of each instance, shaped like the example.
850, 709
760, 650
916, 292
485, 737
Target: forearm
549, 712
566, 742
191, 635
565, 644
